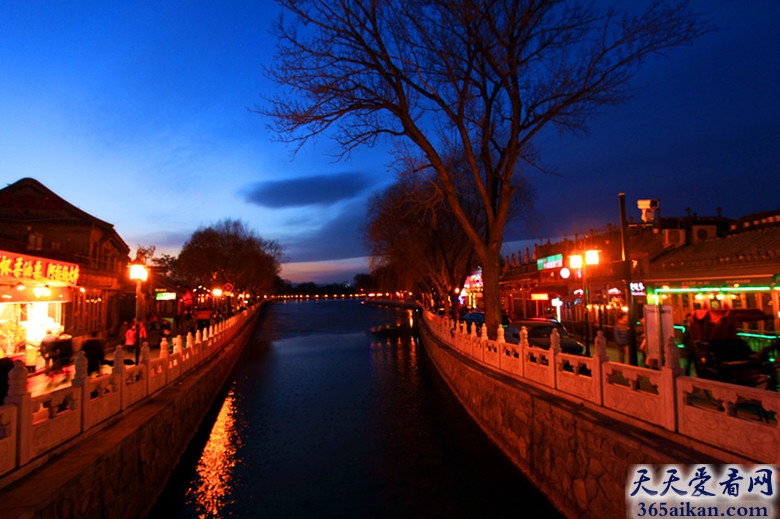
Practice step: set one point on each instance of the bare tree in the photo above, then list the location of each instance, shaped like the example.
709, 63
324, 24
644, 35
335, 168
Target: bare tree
229, 252
412, 235
480, 76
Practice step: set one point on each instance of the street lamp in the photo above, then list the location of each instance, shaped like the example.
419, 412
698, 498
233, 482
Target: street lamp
139, 274
217, 293
577, 261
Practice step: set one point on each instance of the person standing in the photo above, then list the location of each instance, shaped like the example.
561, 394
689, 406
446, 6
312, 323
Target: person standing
690, 350
130, 338
142, 333
621, 337
95, 352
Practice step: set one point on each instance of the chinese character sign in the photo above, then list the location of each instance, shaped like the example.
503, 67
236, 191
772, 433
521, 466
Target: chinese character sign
22, 268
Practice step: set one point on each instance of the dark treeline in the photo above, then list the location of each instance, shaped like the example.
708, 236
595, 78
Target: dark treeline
361, 284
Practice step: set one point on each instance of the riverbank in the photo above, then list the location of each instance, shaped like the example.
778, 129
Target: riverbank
118, 470
578, 454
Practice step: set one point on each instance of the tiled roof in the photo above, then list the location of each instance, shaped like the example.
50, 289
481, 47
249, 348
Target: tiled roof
757, 250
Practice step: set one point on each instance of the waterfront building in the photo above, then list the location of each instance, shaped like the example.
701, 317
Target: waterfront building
64, 267
688, 263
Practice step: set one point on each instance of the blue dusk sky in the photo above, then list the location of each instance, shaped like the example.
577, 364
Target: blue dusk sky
138, 113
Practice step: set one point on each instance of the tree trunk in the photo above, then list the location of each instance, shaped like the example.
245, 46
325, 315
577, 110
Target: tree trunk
491, 293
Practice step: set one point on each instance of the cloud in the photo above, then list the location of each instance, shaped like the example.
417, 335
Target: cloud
335, 271
337, 237
326, 189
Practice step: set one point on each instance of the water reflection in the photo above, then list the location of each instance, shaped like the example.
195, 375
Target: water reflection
215, 469
326, 418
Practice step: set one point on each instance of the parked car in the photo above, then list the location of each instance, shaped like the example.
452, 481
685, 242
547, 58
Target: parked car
539, 332
476, 318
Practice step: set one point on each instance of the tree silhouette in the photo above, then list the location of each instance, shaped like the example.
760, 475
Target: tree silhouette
229, 252
482, 77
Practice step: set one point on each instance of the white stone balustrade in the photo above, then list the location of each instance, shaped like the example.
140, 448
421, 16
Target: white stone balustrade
31, 426
704, 410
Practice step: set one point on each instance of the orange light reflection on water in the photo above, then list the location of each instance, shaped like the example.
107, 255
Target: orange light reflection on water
216, 466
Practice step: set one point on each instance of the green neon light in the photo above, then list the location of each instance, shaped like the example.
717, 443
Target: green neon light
757, 335
713, 289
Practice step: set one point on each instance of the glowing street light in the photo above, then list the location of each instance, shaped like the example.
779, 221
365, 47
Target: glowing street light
581, 261
138, 273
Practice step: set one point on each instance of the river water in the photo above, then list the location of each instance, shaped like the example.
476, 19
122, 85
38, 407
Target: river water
323, 419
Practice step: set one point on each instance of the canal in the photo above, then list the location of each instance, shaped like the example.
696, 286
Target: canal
322, 418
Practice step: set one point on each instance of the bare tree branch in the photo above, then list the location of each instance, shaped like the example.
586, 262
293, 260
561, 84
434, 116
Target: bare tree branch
480, 76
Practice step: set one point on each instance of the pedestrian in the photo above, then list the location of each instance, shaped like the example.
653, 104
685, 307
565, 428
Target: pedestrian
142, 332
130, 338
165, 328
6, 365
648, 360
57, 349
95, 352
48, 349
621, 337
687, 341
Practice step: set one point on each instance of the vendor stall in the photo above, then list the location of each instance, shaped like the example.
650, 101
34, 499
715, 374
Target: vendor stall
34, 293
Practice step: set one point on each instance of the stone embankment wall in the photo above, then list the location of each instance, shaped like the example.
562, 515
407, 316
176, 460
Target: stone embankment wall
120, 470
578, 456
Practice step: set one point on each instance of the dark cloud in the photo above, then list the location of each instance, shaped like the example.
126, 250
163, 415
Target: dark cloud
337, 239
326, 189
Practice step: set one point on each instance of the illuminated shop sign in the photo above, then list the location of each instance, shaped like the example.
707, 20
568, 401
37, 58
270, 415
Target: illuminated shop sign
736, 288
550, 262
474, 281
21, 268
165, 296
638, 288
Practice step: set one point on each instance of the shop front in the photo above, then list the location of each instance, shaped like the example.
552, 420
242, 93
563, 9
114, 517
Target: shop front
746, 293
35, 294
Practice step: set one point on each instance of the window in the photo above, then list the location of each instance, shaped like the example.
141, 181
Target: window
35, 241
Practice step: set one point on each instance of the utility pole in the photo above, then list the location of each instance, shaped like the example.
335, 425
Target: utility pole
633, 358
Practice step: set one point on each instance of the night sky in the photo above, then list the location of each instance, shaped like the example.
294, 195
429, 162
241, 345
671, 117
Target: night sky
138, 113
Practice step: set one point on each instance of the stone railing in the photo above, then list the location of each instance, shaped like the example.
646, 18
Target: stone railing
32, 426
738, 419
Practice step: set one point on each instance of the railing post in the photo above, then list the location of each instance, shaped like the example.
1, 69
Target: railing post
555, 351
81, 369
146, 359
600, 359
120, 375
523, 346
669, 373
22, 399
80, 381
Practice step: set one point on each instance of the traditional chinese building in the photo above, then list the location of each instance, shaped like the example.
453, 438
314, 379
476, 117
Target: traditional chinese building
60, 265
688, 263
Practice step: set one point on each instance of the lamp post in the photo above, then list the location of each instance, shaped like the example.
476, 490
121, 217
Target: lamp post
139, 274
577, 261
217, 293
